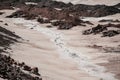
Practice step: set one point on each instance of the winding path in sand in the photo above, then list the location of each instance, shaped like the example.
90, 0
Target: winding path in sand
58, 39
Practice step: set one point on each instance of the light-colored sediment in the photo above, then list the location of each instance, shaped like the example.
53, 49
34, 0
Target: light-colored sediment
92, 2
1, 79
39, 51
61, 55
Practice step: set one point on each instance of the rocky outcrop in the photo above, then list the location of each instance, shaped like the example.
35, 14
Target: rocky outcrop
67, 15
95, 30
68, 23
41, 20
117, 5
11, 71
1, 13
64, 20
104, 30
111, 33
62, 25
76, 10
6, 40
91, 11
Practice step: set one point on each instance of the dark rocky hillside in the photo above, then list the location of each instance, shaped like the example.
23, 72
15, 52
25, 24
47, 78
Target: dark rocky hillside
65, 21
78, 9
92, 11
67, 14
9, 68
8, 37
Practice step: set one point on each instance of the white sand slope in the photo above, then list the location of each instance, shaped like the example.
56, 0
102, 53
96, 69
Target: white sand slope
92, 2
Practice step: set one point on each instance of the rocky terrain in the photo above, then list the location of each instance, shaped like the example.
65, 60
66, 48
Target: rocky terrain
67, 15
87, 36
9, 68
117, 5
104, 30
110, 21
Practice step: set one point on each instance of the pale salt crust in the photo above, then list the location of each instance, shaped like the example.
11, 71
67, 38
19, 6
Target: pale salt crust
67, 52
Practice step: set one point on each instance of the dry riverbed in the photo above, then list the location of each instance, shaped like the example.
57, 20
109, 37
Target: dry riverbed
63, 54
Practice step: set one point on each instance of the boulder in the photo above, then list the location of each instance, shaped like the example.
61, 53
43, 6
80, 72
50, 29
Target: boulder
95, 30
27, 68
41, 20
110, 33
35, 71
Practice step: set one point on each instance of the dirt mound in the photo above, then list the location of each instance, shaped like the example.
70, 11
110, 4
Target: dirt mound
112, 25
7, 32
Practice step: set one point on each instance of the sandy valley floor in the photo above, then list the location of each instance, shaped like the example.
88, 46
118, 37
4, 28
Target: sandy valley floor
38, 50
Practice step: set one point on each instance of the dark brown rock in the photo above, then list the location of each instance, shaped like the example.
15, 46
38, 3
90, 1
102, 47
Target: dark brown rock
27, 68
95, 30
109, 20
41, 20
6, 24
49, 26
35, 71
111, 33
